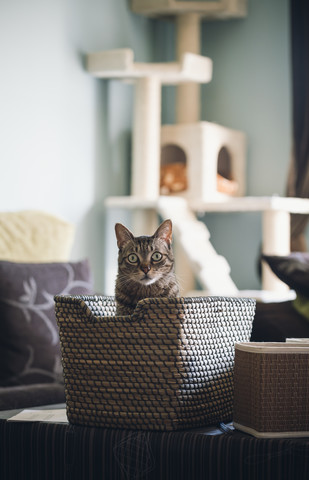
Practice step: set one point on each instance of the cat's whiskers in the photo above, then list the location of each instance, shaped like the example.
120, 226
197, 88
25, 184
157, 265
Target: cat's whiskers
136, 278
123, 281
181, 280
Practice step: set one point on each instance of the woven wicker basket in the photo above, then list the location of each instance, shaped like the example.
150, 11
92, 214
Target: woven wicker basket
271, 389
168, 366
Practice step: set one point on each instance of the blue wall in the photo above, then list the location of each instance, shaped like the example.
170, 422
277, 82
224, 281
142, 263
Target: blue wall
251, 91
65, 136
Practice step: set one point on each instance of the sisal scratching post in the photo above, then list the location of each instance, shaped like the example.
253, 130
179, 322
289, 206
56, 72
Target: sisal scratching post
188, 94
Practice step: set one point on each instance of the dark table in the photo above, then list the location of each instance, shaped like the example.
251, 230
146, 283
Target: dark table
51, 451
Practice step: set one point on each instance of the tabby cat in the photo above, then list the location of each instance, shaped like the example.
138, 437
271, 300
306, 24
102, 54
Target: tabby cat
145, 267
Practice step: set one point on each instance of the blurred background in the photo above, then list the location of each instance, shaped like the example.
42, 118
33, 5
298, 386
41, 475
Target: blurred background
66, 136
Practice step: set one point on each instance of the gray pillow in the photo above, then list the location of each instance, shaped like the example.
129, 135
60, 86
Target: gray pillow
29, 339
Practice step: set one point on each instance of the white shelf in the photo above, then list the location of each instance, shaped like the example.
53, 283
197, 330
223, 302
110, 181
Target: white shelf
223, 204
120, 64
253, 204
219, 9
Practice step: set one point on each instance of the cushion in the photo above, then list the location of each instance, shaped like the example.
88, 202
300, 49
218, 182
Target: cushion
275, 322
25, 396
33, 236
292, 269
29, 340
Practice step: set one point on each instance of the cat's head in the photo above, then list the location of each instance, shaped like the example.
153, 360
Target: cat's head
145, 259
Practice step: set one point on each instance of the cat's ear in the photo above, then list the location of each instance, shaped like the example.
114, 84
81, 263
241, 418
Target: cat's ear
165, 232
123, 235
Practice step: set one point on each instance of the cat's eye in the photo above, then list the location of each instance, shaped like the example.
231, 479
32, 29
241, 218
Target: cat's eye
156, 256
133, 258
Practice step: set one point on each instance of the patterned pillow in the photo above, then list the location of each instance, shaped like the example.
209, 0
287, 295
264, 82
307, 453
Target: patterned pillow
29, 340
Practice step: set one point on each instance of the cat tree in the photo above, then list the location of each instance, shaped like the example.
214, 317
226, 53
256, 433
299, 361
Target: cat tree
188, 72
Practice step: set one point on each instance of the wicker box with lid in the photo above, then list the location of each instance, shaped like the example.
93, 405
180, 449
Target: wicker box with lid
271, 384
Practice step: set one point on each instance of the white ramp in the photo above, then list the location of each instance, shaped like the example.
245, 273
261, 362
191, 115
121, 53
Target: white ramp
210, 269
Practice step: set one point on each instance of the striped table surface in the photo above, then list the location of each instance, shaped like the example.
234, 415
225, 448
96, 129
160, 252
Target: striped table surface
58, 451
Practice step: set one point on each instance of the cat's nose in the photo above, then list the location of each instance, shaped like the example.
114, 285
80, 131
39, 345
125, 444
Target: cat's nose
145, 268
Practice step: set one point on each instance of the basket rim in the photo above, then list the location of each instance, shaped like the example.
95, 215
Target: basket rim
81, 301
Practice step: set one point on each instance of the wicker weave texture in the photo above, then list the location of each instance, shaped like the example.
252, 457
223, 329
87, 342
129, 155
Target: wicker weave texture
168, 366
271, 391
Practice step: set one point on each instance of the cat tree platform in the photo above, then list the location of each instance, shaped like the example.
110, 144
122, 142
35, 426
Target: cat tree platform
215, 10
120, 64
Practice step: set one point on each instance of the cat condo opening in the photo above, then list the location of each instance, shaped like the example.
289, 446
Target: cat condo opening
225, 180
173, 171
